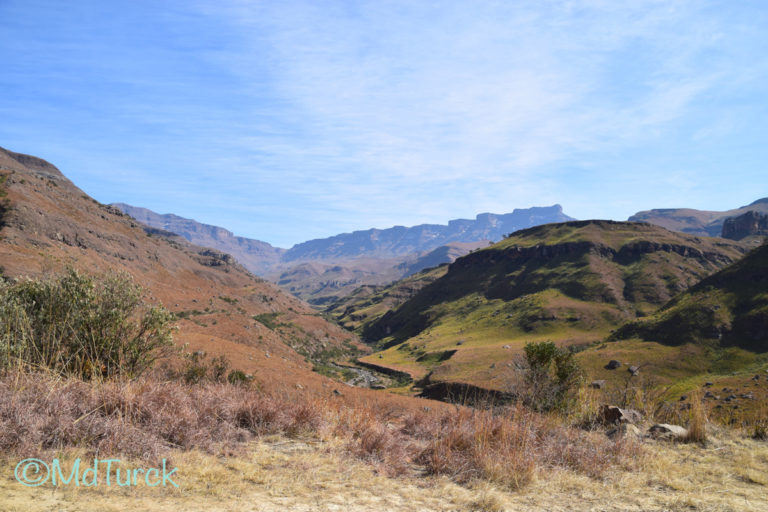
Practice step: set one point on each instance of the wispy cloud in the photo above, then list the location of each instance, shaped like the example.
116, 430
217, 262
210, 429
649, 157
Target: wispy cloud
312, 118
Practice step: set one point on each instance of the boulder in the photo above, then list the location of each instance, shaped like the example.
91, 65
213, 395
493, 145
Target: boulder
634, 370
668, 432
613, 415
624, 430
597, 384
613, 364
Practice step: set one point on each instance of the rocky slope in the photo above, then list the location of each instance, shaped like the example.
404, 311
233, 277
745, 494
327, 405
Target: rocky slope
696, 222
223, 309
257, 256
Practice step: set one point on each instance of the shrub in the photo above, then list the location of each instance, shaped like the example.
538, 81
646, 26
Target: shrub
81, 325
197, 368
551, 377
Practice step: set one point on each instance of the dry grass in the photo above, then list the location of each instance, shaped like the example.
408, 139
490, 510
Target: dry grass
697, 424
145, 419
277, 473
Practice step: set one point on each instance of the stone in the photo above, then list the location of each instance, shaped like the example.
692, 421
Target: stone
613, 364
612, 415
597, 384
634, 370
337, 392
667, 432
756, 377
707, 384
624, 430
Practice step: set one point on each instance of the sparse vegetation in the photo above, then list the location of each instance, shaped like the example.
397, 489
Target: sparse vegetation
269, 320
5, 203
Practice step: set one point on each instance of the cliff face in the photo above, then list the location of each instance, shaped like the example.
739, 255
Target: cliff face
751, 223
696, 222
400, 240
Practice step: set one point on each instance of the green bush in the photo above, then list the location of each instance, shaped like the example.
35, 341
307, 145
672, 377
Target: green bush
81, 325
552, 376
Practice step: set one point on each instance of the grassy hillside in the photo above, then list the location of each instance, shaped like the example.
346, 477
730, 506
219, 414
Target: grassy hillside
572, 283
727, 309
368, 304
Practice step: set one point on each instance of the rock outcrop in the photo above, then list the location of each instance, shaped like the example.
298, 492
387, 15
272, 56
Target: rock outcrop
751, 223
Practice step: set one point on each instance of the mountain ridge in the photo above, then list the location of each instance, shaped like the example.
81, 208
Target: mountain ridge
696, 222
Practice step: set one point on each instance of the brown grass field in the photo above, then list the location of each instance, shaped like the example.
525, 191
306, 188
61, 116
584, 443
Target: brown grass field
250, 449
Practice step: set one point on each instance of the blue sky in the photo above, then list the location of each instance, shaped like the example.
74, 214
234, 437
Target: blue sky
291, 120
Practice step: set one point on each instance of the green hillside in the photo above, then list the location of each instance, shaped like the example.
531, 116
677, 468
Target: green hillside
727, 309
571, 282
369, 303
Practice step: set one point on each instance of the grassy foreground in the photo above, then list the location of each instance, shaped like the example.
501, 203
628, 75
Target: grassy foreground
246, 448
277, 473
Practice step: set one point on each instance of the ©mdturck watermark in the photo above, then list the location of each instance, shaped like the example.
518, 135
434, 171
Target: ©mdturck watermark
35, 472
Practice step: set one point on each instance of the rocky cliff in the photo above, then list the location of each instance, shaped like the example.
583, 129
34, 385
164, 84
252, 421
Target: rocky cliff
751, 223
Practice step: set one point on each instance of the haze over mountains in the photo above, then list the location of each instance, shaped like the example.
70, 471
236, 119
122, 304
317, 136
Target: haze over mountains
324, 270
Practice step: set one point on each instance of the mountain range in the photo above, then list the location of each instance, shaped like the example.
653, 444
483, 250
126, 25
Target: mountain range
324, 270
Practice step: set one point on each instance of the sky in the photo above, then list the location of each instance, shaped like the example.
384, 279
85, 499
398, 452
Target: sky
287, 120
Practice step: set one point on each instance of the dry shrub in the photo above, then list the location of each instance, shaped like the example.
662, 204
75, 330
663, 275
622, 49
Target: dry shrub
376, 441
146, 418
480, 445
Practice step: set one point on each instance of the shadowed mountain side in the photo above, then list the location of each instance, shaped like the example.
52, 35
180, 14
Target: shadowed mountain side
729, 308
366, 304
750, 224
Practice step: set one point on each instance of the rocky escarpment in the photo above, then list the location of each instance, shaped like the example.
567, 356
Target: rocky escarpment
751, 223
400, 240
